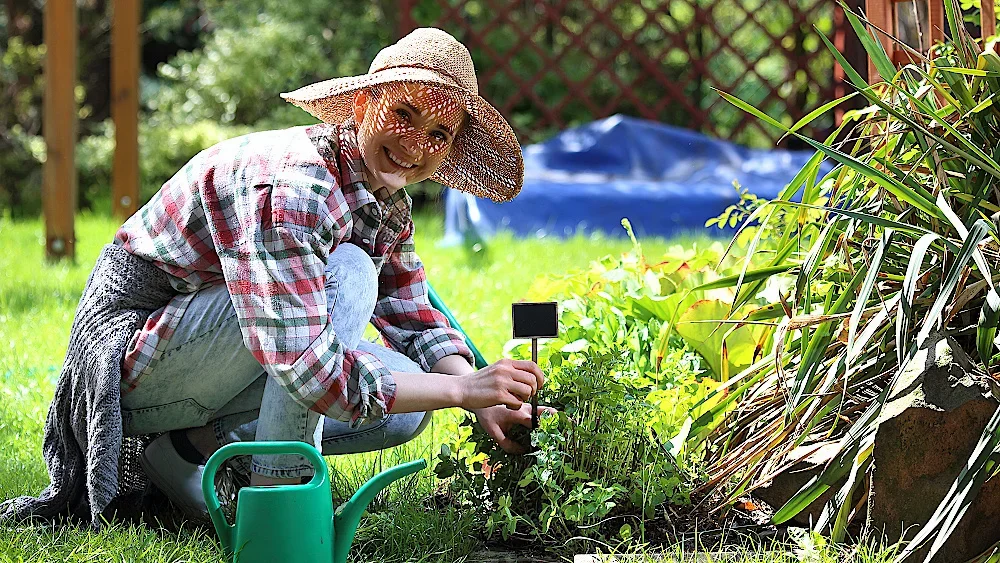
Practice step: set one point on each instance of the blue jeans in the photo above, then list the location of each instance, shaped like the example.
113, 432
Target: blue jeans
208, 376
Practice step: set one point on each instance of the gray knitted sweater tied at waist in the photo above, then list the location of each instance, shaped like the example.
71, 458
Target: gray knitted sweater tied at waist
83, 430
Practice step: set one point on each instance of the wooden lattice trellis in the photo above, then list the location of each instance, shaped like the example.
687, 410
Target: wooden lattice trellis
549, 64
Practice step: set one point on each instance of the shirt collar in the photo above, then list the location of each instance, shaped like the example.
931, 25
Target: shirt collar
338, 145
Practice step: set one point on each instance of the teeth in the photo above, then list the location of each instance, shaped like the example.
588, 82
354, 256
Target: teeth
393, 158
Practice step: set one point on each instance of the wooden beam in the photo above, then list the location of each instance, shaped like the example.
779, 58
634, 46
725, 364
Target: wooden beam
879, 13
935, 13
406, 23
988, 21
848, 43
125, 107
59, 184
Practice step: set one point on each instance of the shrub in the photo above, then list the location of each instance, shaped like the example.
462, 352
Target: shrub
22, 150
233, 79
163, 150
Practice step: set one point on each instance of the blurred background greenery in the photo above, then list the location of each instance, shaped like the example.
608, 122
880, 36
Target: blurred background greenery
212, 69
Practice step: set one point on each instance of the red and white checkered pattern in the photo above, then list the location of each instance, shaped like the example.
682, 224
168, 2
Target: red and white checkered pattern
261, 213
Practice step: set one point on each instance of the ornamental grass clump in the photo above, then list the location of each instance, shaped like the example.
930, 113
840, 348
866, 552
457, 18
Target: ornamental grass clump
898, 243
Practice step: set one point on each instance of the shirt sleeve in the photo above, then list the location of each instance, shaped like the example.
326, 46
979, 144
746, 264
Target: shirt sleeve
275, 275
404, 314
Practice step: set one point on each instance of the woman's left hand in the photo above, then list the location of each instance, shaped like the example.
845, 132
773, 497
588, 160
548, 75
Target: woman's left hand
498, 420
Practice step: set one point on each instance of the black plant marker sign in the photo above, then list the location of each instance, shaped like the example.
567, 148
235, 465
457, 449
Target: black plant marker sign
534, 321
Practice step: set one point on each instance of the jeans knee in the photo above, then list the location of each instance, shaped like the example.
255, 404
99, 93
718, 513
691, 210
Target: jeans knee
353, 270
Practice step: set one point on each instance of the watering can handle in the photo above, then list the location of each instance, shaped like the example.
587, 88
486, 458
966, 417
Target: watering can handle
319, 477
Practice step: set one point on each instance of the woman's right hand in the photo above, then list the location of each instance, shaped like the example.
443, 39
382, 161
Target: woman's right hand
505, 382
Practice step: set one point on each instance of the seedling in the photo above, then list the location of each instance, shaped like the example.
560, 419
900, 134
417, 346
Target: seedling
534, 321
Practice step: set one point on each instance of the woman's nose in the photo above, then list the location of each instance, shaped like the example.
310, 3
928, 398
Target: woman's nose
410, 143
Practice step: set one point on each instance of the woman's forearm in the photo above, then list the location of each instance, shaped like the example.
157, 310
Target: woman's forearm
418, 392
506, 382
440, 389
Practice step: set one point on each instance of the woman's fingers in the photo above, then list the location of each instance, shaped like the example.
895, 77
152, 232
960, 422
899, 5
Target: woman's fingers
531, 368
514, 381
520, 390
524, 371
527, 379
511, 401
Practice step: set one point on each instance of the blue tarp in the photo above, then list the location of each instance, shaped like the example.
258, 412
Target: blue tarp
665, 180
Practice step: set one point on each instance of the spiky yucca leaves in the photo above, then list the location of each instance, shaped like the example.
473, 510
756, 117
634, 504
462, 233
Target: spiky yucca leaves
905, 247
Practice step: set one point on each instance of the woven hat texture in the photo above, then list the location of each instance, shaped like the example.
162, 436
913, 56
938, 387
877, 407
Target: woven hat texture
485, 158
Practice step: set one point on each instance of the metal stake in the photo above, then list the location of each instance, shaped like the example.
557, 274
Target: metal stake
534, 397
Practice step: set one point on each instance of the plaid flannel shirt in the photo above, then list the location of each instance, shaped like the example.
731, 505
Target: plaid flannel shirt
261, 213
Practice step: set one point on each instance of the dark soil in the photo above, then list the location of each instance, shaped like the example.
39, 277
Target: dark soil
692, 528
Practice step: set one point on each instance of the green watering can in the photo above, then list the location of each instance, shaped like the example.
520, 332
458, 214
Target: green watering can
291, 523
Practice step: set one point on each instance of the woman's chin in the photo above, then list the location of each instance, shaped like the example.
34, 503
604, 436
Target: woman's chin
392, 180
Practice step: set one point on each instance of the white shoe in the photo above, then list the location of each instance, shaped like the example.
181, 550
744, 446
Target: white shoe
180, 480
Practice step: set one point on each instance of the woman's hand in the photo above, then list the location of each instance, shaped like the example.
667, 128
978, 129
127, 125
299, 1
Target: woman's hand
506, 382
497, 422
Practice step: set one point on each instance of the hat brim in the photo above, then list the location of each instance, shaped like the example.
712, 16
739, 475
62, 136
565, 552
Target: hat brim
485, 158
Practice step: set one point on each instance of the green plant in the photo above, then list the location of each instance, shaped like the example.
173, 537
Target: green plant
596, 469
623, 378
972, 9
907, 246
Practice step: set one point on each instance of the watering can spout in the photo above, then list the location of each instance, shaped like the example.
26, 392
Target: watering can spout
348, 515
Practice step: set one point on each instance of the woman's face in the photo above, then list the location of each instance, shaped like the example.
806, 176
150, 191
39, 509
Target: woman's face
405, 131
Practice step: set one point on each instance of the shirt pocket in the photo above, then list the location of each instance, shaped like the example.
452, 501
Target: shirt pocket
296, 207
242, 218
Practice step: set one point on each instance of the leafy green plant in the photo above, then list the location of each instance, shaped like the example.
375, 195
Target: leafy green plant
907, 246
623, 381
595, 467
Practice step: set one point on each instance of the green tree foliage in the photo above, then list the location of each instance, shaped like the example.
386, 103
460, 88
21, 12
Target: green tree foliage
21, 147
22, 56
260, 48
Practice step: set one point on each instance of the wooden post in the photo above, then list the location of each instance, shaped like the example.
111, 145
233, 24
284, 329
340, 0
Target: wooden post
935, 13
125, 107
848, 43
880, 14
406, 21
988, 20
59, 183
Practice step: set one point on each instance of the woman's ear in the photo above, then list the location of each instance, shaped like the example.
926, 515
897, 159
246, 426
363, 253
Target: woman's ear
360, 105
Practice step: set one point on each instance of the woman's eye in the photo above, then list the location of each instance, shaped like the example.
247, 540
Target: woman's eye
439, 136
403, 114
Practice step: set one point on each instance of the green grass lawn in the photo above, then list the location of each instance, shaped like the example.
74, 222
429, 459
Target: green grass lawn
37, 301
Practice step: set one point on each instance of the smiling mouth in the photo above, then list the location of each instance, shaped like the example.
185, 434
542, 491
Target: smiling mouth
397, 161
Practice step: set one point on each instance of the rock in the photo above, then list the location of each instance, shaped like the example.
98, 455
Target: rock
929, 427
803, 463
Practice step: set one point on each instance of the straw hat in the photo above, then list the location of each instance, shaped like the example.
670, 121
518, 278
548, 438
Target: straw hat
485, 159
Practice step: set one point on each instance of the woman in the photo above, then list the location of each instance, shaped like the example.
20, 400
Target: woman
231, 306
